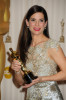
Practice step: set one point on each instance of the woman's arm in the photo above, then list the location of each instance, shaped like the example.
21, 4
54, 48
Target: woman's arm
59, 58
16, 66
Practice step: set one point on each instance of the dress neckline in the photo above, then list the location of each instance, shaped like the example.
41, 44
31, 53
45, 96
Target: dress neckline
43, 42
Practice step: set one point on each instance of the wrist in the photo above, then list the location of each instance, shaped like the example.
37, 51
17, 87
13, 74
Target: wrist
18, 72
41, 79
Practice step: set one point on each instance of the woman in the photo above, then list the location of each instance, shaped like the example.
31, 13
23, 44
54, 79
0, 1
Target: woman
41, 55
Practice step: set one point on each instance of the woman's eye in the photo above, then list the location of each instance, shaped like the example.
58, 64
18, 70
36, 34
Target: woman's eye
41, 20
32, 19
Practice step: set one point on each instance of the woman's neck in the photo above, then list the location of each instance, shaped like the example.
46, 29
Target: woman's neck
38, 39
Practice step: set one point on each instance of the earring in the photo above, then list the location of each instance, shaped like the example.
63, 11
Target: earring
27, 26
45, 28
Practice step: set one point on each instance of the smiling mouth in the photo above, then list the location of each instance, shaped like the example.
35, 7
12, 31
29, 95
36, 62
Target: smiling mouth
37, 29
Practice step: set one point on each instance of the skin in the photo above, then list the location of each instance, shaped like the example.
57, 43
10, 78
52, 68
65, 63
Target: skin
36, 25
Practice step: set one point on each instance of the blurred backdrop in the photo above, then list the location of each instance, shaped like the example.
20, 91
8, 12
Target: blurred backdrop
56, 10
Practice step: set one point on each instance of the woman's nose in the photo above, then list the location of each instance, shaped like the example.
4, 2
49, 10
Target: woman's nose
37, 23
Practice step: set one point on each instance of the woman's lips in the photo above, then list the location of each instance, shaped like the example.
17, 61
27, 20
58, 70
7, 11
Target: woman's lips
36, 29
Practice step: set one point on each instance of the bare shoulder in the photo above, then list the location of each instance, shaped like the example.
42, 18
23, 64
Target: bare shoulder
56, 53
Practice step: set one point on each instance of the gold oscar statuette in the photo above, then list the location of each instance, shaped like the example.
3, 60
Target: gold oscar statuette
4, 28
28, 75
62, 31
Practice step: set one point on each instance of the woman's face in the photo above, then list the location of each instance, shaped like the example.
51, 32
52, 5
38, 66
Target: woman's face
36, 23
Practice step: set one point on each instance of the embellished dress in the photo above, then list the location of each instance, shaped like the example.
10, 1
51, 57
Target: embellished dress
41, 65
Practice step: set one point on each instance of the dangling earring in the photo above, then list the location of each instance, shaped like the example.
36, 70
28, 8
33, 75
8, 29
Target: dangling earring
27, 26
45, 28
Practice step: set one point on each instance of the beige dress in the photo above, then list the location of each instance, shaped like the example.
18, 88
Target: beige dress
41, 65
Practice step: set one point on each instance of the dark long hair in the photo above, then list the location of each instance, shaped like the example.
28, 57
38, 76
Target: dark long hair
25, 34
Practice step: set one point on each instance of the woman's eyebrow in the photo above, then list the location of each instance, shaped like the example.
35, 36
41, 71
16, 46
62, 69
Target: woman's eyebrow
39, 18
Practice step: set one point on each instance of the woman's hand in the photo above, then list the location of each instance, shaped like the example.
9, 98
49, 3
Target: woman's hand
16, 65
35, 81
